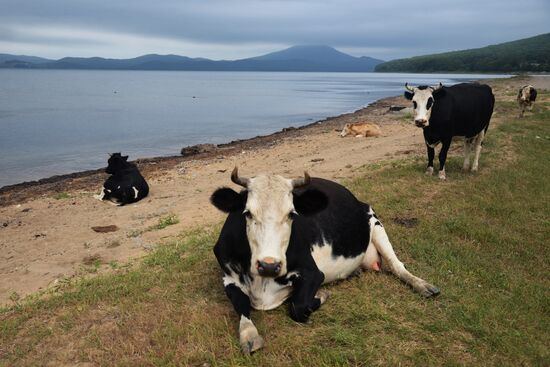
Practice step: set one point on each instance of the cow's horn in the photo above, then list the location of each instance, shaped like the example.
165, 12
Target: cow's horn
409, 88
438, 86
242, 181
302, 181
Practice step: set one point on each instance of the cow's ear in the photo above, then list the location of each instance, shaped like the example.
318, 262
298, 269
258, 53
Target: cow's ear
438, 93
310, 202
125, 157
408, 95
227, 200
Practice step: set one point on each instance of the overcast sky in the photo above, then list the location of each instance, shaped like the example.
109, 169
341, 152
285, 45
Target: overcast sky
232, 29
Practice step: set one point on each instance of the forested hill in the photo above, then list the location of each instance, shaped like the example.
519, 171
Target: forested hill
525, 55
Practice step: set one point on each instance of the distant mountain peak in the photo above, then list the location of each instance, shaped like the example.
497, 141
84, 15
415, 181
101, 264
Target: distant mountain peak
308, 52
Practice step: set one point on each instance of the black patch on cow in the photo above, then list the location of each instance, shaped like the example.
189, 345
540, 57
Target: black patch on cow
227, 200
533, 95
408, 95
310, 202
439, 93
377, 223
422, 87
430, 103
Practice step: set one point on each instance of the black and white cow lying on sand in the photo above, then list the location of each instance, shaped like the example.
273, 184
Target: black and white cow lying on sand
284, 238
126, 184
445, 112
526, 98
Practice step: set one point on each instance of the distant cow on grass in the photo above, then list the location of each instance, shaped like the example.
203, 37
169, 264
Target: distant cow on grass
526, 98
126, 184
283, 238
444, 112
361, 129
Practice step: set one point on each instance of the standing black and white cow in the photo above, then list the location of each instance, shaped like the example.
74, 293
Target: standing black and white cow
284, 238
126, 184
445, 112
526, 98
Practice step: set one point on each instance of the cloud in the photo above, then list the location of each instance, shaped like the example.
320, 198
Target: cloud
232, 29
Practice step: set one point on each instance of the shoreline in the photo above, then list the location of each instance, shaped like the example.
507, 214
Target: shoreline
62, 182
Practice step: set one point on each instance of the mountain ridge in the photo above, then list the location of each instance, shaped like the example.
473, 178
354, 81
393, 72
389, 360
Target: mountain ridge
295, 58
530, 54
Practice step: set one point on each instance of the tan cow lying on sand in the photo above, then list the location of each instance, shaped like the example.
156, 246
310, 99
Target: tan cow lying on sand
361, 129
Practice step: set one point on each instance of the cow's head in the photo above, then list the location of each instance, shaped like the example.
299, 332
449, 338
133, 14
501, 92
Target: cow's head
346, 130
116, 162
269, 204
525, 93
423, 98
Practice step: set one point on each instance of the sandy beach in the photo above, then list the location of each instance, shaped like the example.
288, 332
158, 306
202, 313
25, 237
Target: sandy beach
46, 233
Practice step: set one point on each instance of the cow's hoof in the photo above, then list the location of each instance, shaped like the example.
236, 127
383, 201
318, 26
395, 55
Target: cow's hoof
466, 168
427, 290
474, 170
250, 344
442, 175
322, 296
429, 171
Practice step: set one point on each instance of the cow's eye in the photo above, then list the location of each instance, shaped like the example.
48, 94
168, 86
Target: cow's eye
247, 214
430, 103
414, 104
292, 215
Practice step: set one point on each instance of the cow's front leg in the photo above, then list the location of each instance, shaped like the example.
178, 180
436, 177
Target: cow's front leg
443, 158
306, 296
249, 338
431, 155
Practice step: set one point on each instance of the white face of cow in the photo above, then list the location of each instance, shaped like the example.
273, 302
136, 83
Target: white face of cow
269, 214
346, 130
423, 101
525, 93
269, 205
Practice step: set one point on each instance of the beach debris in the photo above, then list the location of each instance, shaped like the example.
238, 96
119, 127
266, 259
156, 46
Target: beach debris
182, 171
222, 170
394, 108
105, 229
197, 149
317, 159
26, 210
38, 235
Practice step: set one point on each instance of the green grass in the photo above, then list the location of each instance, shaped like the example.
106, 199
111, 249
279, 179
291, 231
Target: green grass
62, 196
483, 239
162, 223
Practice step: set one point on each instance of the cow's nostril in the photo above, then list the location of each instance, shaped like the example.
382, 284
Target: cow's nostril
269, 268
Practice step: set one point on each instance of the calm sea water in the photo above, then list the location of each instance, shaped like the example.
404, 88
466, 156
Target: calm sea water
60, 121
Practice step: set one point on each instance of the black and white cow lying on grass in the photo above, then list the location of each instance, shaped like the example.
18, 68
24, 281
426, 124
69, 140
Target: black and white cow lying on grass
527, 96
284, 238
445, 112
126, 184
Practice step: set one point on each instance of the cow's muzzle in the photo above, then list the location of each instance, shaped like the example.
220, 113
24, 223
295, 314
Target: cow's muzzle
421, 123
268, 267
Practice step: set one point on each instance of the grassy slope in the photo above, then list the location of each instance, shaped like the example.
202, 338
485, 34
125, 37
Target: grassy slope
529, 54
482, 238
